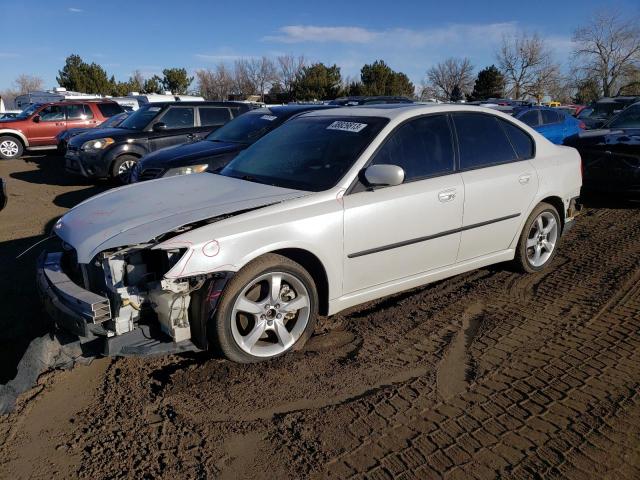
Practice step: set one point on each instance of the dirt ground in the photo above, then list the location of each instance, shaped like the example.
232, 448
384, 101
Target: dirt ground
491, 374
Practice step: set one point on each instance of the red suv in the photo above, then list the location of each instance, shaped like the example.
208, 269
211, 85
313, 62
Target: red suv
36, 127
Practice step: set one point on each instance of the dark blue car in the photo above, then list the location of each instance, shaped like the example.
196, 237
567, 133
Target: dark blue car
553, 124
219, 147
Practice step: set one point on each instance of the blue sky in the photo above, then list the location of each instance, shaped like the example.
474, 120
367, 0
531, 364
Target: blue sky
36, 36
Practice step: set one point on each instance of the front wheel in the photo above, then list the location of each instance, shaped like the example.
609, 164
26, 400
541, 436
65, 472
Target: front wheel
268, 308
10, 148
539, 239
122, 168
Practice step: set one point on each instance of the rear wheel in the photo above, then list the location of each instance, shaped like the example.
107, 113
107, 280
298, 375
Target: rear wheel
122, 168
539, 239
268, 308
10, 148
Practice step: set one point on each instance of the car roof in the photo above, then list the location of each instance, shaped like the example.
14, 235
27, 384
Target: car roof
191, 103
393, 111
294, 108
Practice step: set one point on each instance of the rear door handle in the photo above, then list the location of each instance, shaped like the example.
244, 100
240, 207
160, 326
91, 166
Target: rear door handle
447, 195
524, 179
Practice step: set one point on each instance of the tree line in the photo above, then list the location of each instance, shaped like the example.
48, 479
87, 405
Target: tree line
605, 61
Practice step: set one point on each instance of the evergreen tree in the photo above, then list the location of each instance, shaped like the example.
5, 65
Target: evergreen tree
318, 82
456, 94
176, 80
379, 79
79, 76
489, 84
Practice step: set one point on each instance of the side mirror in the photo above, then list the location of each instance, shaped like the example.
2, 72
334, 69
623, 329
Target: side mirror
159, 127
384, 175
36, 118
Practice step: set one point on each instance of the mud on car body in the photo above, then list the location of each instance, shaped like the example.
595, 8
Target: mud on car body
332, 209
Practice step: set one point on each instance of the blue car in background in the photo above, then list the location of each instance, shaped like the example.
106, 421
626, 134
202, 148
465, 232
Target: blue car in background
550, 122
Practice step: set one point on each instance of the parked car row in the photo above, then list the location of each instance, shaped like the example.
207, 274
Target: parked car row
113, 152
37, 126
611, 154
315, 210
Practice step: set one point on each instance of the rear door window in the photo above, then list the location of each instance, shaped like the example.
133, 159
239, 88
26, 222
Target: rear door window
482, 141
549, 116
531, 118
422, 147
212, 116
75, 112
178, 117
88, 112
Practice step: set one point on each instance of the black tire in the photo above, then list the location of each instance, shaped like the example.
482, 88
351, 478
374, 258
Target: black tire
221, 332
116, 175
522, 258
10, 144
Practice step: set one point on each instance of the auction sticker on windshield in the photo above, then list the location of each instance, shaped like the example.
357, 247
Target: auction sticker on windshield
347, 126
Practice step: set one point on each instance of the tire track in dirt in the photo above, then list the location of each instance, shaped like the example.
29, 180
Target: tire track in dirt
552, 353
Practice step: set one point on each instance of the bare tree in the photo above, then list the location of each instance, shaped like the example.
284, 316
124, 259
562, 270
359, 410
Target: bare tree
546, 81
261, 73
136, 81
289, 69
608, 49
525, 61
216, 84
443, 78
243, 85
28, 83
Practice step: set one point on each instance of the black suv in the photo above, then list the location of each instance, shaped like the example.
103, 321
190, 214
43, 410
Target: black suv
113, 152
220, 146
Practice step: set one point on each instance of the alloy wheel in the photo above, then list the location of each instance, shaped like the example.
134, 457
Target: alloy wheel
125, 168
270, 314
9, 148
542, 239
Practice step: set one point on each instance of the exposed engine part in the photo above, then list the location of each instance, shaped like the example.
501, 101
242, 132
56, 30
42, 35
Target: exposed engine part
170, 300
133, 278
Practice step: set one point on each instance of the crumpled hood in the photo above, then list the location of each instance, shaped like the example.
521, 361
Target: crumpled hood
140, 212
188, 154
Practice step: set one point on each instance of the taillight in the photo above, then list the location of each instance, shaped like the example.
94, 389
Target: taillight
582, 126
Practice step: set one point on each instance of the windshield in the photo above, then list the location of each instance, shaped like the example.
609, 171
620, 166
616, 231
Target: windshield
114, 121
606, 109
141, 117
306, 153
585, 112
247, 128
27, 112
629, 118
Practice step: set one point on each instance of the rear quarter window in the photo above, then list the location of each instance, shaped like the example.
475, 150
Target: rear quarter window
214, 116
522, 143
109, 109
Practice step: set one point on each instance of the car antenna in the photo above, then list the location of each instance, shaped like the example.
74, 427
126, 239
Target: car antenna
34, 245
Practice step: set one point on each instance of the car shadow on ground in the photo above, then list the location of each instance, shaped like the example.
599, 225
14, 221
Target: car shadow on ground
51, 172
22, 318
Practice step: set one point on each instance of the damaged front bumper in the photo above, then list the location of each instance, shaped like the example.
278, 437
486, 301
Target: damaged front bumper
82, 313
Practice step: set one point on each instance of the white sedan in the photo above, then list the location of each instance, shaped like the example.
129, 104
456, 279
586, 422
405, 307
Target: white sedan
332, 209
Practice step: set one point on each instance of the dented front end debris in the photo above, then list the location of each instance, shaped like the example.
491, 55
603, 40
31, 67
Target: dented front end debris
121, 304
